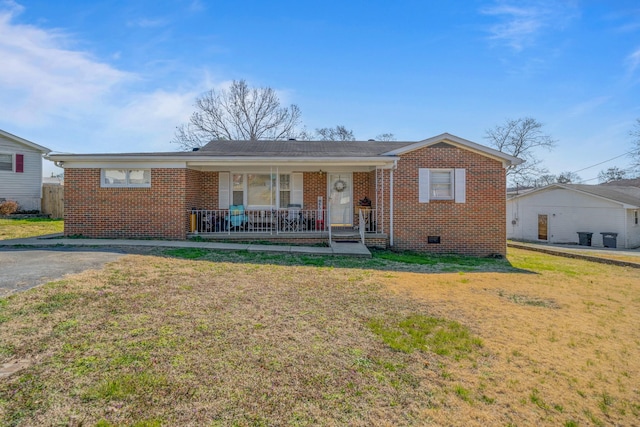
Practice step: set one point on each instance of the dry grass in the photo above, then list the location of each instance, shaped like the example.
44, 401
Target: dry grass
239, 340
30, 227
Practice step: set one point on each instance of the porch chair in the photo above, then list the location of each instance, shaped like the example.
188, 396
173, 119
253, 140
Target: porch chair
237, 217
292, 220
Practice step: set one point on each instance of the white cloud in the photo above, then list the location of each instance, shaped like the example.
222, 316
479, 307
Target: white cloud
147, 23
70, 101
521, 23
634, 61
45, 79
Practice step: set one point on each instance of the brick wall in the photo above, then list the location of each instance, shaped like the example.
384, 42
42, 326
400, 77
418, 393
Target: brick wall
474, 228
156, 212
315, 184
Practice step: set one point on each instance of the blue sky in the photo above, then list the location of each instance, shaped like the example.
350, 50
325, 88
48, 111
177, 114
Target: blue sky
119, 76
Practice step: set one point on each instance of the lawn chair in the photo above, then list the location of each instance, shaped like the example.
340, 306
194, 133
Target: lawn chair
292, 220
237, 217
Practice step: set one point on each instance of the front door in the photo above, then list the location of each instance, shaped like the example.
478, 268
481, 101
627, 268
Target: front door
543, 227
340, 199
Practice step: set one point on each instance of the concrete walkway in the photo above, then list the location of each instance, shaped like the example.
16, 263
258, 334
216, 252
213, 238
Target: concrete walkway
337, 249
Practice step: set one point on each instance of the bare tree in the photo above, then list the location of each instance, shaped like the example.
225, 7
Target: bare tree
568, 178
635, 153
521, 138
386, 137
612, 174
238, 113
339, 133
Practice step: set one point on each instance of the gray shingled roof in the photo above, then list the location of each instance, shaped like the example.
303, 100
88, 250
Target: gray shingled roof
627, 195
301, 148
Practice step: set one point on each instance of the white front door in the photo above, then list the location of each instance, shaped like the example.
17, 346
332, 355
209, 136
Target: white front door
340, 199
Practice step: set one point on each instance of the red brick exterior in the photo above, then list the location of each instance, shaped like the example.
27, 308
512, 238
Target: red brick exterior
475, 227
156, 212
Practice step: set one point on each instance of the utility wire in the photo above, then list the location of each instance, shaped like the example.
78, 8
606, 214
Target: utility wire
598, 164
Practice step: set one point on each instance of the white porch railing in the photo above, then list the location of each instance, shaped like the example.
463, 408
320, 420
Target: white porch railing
261, 221
275, 221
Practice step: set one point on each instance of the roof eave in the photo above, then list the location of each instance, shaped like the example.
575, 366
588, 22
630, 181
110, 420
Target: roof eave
506, 159
24, 141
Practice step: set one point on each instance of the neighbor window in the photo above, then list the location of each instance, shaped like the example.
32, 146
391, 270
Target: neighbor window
635, 217
6, 162
126, 178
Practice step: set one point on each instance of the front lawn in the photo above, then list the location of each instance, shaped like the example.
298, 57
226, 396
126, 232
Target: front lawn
257, 339
29, 227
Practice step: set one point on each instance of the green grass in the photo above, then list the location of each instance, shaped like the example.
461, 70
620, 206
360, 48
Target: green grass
381, 260
428, 334
29, 227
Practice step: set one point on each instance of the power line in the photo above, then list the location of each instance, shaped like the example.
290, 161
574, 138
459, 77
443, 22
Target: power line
598, 164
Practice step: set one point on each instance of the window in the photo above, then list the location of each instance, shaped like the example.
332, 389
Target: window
441, 184
285, 190
261, 189
635, 217
126, 178
6, 162
238, 189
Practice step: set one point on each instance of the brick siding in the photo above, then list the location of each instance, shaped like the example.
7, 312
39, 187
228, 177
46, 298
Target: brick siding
155, 212
476, 227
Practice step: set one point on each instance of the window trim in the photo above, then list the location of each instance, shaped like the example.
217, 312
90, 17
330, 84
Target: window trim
13, 161
458, 185
127, 184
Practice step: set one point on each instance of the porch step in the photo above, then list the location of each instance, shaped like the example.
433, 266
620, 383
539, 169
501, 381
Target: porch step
350, 249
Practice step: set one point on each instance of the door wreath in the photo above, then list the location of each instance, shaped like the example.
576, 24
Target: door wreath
339, 186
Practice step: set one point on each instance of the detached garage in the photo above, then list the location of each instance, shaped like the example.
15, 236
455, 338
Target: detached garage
604, 216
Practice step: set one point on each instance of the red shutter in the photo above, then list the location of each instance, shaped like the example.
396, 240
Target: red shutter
19, 163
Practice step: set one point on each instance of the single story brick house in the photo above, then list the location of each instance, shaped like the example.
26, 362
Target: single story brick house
443, 194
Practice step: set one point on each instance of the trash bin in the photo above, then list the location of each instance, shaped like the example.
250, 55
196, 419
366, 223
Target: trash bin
610, 240
584, 238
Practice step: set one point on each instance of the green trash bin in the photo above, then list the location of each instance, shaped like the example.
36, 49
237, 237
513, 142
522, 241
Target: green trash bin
610, 240
584, 238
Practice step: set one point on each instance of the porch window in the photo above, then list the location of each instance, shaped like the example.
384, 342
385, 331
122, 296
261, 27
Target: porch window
6, 162
285, 190
238, 189
126, 178
261, 189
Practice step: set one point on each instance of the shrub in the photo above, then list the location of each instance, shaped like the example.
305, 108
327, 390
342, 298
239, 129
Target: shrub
8, 207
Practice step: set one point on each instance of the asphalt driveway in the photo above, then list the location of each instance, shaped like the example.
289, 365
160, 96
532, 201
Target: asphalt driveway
25, 268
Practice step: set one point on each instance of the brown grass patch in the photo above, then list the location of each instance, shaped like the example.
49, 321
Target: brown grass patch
178, 342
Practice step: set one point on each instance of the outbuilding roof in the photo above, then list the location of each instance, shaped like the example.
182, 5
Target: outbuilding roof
629, 196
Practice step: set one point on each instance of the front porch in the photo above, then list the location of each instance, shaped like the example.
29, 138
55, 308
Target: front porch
291, 225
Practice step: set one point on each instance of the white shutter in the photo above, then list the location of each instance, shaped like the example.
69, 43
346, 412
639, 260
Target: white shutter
223, 190
423, 185
296, 189
460, 184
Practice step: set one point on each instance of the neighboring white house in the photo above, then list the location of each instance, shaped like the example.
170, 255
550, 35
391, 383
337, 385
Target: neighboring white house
558, 212
21, 171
